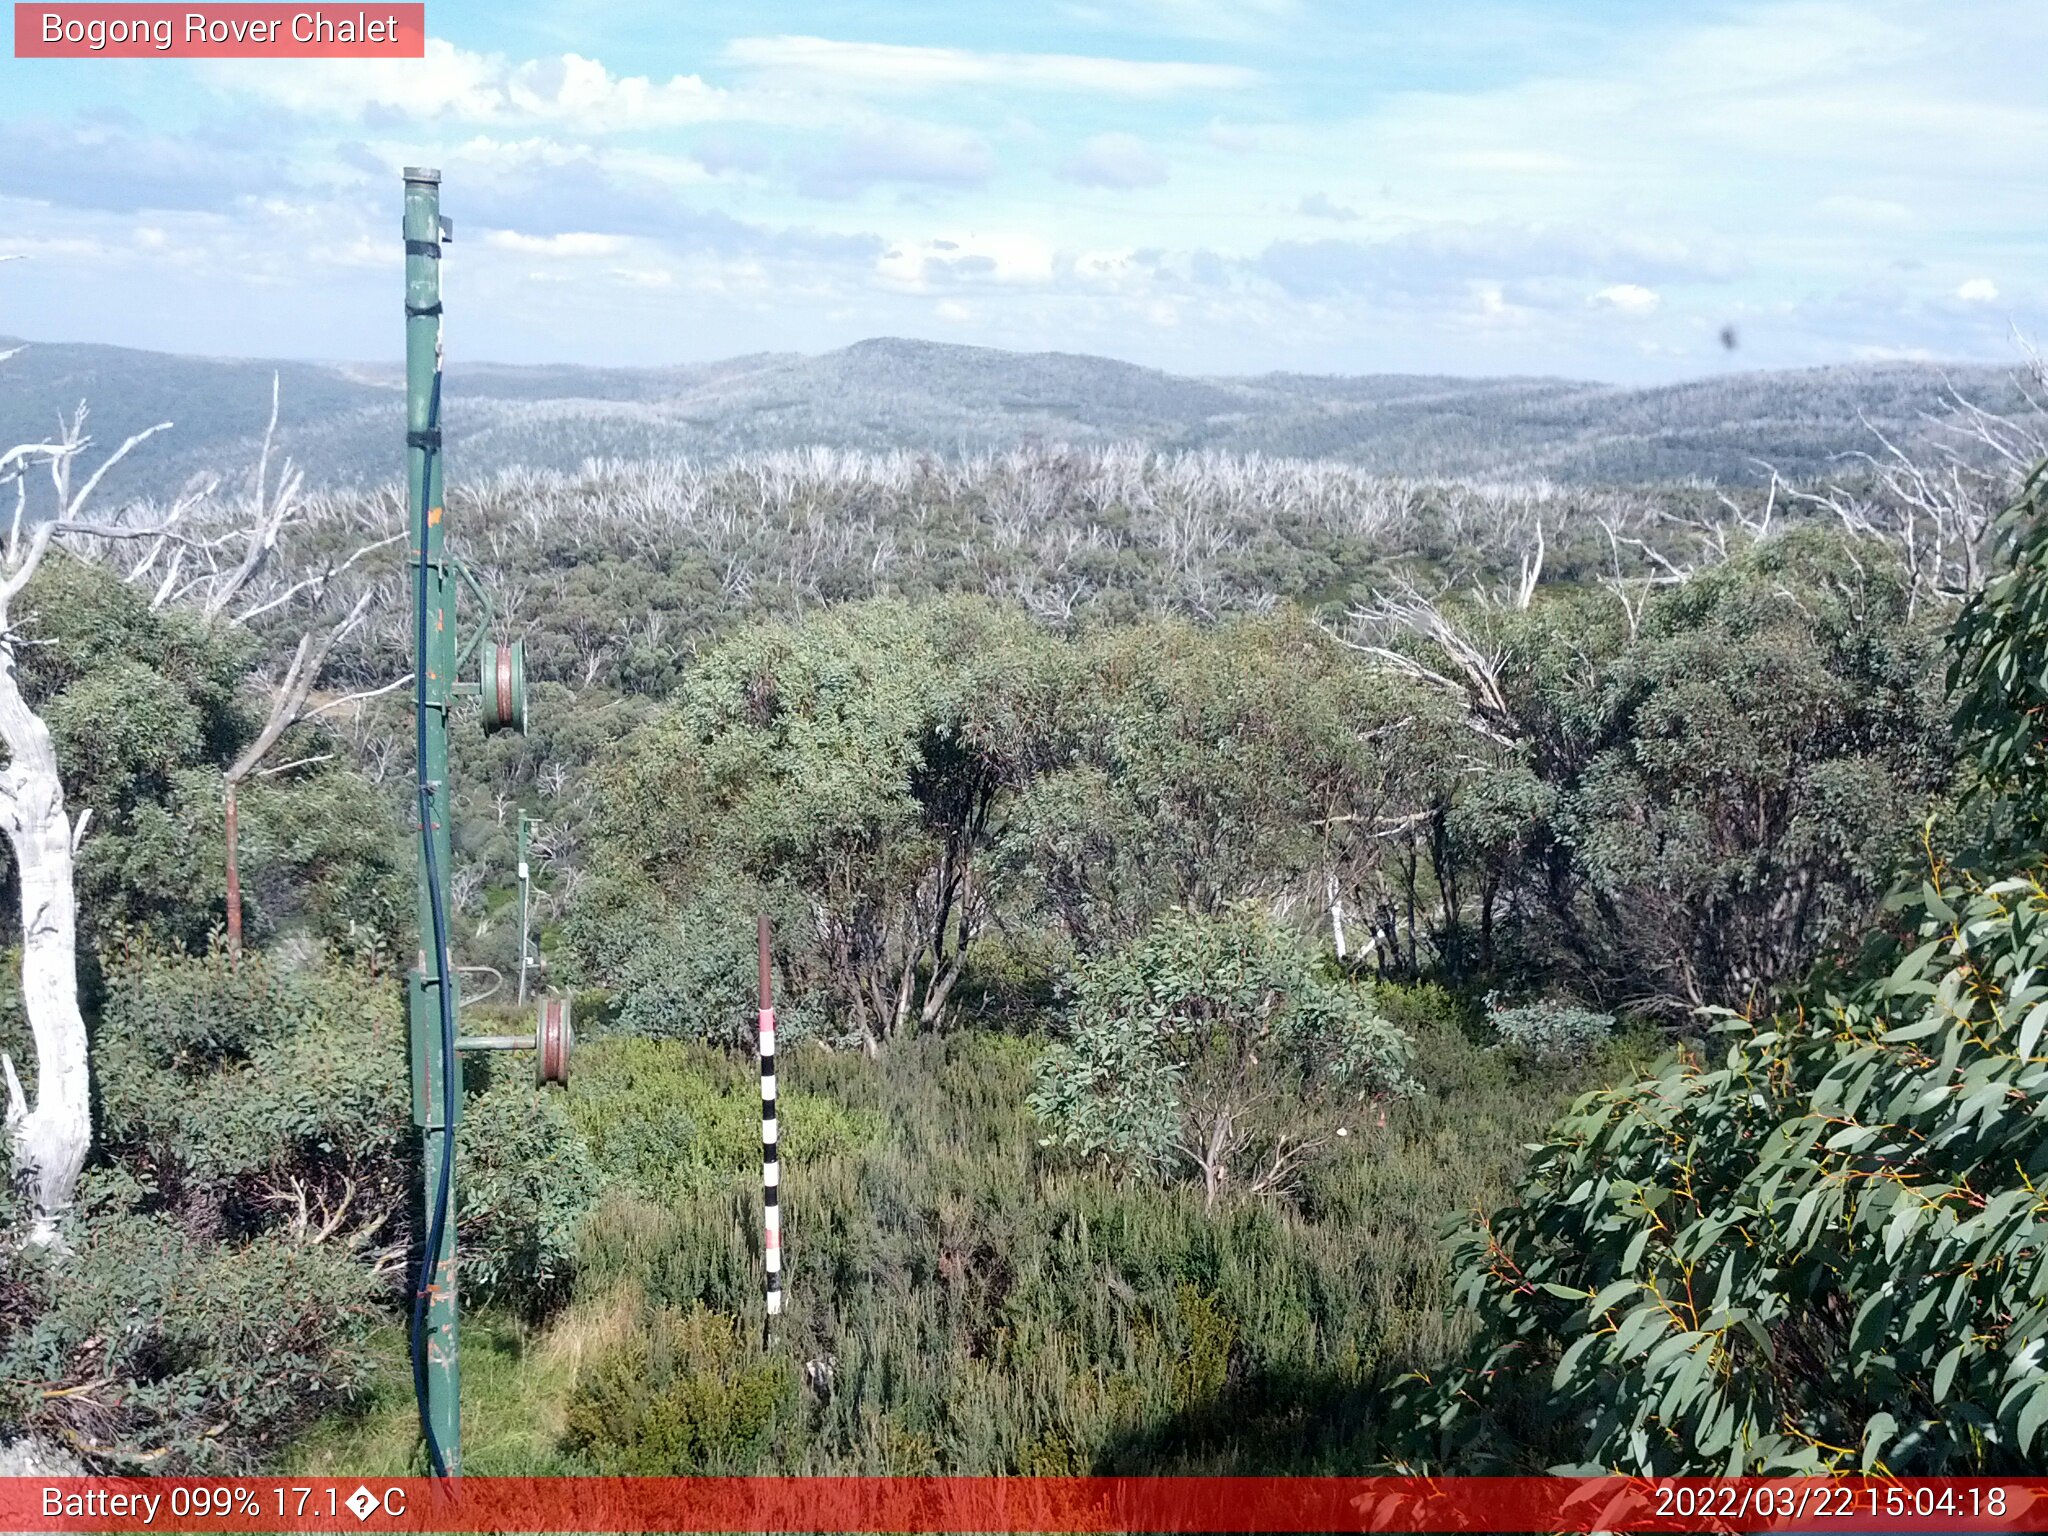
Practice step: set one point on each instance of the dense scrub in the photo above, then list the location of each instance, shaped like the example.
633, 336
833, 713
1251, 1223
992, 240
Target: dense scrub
1673, 806
966, 1299
237, 1236
1820, 1244
1065, 779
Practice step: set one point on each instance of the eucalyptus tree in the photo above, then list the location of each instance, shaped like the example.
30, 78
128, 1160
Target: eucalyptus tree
1701, 1271
1695, 792
855, 770
1212, 1045
1199, 767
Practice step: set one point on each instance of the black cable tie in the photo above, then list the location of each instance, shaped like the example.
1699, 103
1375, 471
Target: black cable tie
430, 439
423, 248
422, 311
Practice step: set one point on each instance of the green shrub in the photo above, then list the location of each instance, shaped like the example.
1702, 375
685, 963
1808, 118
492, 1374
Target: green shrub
527, 1180
240, 1092
1207, 1336
681, 1394
1702, 1274
154, 1350
664, 1118
978, 1305
320, 853
237, 1232
1214, 1043
1549, 1031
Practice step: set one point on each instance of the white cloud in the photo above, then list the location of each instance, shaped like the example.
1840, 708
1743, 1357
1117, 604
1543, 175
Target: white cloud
459, 85
568, 246
1629, 298
992, 258
1221, 20
1319, 205
915, 153
892, 68
1118, 160
1508, 162
1978, 290
1875, 212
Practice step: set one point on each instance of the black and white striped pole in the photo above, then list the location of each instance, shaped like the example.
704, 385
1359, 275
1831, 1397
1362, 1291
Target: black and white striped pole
771, 1166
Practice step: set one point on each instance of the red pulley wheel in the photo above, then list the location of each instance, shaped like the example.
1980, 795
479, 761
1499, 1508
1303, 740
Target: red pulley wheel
502, 682
553, 1039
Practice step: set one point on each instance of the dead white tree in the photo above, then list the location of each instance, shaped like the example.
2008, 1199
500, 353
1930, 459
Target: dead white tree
49, 1139
1473, 672
1532, 569
1935, 501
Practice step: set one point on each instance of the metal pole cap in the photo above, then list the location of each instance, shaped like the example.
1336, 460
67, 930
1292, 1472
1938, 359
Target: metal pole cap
422, 173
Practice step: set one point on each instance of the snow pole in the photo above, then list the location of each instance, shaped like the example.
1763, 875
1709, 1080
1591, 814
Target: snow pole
526, 825
771, 1166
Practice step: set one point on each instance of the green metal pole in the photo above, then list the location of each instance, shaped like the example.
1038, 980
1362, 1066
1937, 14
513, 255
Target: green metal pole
434, 595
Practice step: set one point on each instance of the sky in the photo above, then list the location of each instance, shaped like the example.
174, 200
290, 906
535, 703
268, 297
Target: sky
1587, 188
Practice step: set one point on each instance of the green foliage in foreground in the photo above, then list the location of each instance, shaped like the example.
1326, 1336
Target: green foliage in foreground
1214, 1043
1831, 1250
1996, 670
526, 1178
1827, 1251
252, 1210
680, 1393
151, 1348
246, 1088
235, 1241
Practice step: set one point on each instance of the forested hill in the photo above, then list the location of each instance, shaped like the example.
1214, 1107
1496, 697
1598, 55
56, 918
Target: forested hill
342, 421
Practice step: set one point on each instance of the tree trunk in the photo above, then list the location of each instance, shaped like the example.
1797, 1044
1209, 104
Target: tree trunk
233, 830
49, 1142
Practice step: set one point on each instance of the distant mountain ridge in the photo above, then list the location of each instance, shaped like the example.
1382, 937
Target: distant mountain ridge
343, 422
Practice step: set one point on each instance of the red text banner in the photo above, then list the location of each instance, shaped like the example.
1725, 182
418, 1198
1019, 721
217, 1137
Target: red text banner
234, 31
972, 1504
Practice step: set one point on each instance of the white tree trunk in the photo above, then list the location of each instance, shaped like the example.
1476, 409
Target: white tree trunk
48, 1142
